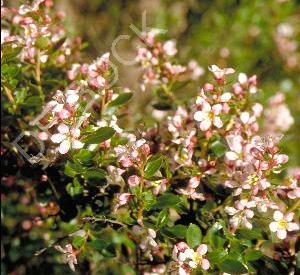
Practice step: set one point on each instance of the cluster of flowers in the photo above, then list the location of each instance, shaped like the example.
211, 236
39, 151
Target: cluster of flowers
220, 115
36, 31
287, 45
70, 111
156, 61
187, 259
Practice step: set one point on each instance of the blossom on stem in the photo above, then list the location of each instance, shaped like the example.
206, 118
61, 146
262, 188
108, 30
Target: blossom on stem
283, 223
69, 255
67, 138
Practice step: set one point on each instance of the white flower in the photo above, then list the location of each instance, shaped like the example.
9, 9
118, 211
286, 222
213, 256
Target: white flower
282, 224
242, 78
67, 138
236, 147
208, 116
220, 73
169, 47
72, 96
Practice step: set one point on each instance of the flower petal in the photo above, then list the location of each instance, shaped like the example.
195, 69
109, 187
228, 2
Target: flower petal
205, 125
292, 226
277, 215
281, 234
273, 226
200, 116
218, 122
58, 138
64, 147
205, 264
63, 128
202, 249
76, 144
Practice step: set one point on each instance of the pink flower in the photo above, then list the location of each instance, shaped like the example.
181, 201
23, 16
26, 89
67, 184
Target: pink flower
133, 181
122, 199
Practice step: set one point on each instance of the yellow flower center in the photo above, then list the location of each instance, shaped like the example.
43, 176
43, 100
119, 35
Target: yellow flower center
289, 181
211, 115
282, 224
197, 258
253, 179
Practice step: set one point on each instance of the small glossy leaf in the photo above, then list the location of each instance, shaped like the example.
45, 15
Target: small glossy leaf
98, 244
233, 267
72, 169
42, 42
252, 255
163, 218
78, 241
153, 165
218, 148
193, 235
120, 100
176, 231
75, 188
96, 173
167, 200
99, 135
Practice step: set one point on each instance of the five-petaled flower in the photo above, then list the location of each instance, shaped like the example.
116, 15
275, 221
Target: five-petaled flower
283, 223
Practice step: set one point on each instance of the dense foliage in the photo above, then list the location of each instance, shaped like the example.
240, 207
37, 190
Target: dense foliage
192, 180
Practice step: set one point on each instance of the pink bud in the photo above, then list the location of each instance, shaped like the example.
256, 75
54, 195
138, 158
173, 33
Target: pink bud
256, 153
182, 246
126, 162
44, 178
145, 149
43, 136
133, 181
208, 87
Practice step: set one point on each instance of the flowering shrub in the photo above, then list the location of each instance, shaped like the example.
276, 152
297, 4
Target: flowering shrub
199, 192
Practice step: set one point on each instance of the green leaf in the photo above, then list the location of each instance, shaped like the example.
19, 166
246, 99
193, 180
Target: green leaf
252, 255
217, 255
100, 135
120, 100
176, 231
72, 169
298, 260
9, 52
84, 156
214, 236
95, 173
167, 200
254, 233
163, 218
98, 244
153, 165
78, 241
149, 200
75, 188
218, 148
193, 235
42, 42
33, 101
232, 267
